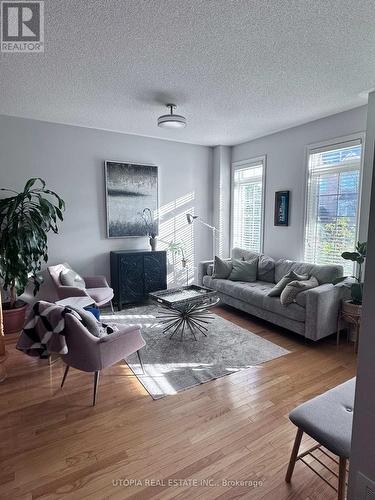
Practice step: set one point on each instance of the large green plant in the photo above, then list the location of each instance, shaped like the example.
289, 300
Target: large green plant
25, 220
356, 287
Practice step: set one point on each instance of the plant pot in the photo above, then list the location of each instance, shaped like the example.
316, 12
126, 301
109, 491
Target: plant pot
14, 319
350, 308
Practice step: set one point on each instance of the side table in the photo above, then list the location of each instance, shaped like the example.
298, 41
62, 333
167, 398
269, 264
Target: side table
350, 313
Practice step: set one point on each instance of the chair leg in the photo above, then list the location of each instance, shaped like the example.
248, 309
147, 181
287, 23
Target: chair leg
140, 360
96, 383
65, 374
342, 479
112, 308
294, 455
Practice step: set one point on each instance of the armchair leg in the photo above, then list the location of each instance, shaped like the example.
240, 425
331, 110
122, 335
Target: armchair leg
140, 360
96, 383
294, 455
64, 376
112, 308
342, 479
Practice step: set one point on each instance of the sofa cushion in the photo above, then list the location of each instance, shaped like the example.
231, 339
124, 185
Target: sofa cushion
266, 269
100, 295
222, 268
292, 289
266, 264
277, 290
241, 254
324, 274
255, 294
244, 270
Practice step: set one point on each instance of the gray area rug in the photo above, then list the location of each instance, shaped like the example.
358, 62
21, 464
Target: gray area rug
172, 366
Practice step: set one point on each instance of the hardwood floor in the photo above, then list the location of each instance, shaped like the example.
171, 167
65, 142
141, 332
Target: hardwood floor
205, 443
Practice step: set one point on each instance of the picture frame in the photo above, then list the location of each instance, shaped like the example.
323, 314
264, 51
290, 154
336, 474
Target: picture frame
130, 188
281, 216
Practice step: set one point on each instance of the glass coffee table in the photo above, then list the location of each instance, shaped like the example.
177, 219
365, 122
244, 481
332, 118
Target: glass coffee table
185, 308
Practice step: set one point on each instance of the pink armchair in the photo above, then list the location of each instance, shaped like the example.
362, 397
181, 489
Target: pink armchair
96, 288
89, 353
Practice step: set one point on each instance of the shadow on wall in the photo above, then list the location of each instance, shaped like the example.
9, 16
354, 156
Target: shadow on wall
174, 228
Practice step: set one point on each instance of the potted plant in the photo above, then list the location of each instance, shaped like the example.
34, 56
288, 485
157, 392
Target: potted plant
354, 283
25, 219
177, 248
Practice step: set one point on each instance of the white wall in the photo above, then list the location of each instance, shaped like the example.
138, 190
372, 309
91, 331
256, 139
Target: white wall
221, 198
363, 443
286, 170
70, 159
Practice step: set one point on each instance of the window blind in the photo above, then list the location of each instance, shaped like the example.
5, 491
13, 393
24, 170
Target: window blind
332, 210
247, 216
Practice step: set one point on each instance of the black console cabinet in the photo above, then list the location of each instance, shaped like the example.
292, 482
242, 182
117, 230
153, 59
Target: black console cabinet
136, 273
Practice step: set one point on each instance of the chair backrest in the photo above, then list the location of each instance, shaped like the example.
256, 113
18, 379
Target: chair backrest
54, 272
83, 347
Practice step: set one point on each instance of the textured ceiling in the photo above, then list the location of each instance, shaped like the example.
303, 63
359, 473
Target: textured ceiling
236, 69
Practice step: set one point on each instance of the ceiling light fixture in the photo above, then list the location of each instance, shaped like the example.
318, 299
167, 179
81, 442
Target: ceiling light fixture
171, 120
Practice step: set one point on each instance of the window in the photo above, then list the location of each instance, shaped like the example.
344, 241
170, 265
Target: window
247, 204
332, 211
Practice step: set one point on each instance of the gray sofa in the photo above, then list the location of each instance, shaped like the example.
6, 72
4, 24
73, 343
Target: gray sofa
313, 314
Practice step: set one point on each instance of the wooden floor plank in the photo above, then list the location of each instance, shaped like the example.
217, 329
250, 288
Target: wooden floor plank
236, 428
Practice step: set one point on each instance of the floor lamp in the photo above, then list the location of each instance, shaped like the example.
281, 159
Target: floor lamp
192, 218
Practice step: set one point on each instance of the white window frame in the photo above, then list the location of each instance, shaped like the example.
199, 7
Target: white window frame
332, 143
236, 166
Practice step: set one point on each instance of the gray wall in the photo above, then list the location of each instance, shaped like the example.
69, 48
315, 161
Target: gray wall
286, 169
70, 159
363, 444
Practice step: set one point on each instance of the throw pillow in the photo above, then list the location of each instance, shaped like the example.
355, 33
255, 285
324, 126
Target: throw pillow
222, 268
68, 277
289, 294
89, 321
244, 270
285, 280
266, 269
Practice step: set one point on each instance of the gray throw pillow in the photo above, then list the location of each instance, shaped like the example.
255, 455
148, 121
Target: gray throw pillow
244, 270
89, 321
266, 269
222, 268
289, 294
285, 280
68, 277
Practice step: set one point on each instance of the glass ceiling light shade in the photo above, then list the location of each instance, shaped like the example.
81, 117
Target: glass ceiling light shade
171, 120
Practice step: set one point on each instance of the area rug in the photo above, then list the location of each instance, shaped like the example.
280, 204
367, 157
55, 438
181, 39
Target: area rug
172, 366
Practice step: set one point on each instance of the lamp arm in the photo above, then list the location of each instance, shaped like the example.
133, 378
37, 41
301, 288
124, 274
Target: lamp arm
213, 228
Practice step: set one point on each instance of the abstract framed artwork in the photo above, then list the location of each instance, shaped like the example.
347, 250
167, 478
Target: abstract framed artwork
281, 208
130, 189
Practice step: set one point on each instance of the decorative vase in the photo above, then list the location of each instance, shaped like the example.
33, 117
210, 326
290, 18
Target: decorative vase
153, 243
14, 319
